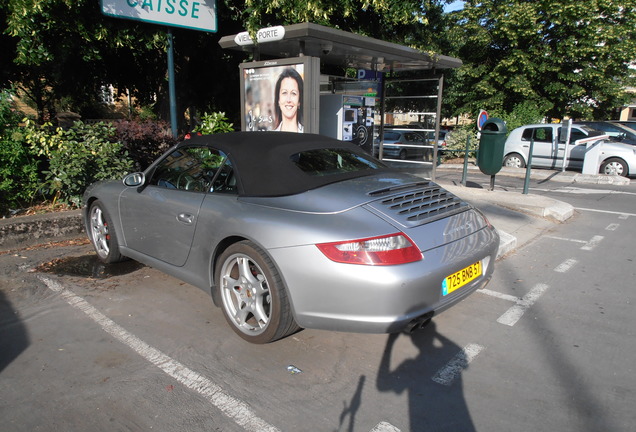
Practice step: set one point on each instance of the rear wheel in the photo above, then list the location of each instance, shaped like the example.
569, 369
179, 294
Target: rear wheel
514, 160
102, 235
614, 166
253, 296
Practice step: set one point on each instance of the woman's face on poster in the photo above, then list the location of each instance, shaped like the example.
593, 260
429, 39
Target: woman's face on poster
289, 98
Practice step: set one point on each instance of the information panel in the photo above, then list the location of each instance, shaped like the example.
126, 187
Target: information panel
280, 95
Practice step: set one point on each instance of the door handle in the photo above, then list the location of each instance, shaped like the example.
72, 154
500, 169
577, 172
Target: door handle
185, 218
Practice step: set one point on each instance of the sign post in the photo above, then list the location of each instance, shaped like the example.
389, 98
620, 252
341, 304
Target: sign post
195, 15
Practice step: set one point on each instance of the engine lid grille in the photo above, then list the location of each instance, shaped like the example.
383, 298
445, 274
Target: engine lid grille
423, 202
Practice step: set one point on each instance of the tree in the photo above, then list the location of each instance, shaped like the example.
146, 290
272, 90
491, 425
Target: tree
66, 51
567, 57
62, 53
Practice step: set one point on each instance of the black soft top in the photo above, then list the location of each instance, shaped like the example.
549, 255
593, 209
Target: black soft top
263, 162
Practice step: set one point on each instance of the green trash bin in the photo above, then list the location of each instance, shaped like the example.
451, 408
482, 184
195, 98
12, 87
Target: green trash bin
491, 146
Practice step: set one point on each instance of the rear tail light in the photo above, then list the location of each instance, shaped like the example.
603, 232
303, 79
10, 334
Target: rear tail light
384, 250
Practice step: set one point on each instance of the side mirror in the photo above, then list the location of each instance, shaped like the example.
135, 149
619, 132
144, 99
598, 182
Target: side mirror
135, 179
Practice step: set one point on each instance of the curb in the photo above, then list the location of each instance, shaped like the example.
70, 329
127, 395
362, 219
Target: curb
507, 243
24, 231
540, 206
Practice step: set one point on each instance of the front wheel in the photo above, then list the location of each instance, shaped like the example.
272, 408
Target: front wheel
102, 235
514, 160
614, 166
254, 299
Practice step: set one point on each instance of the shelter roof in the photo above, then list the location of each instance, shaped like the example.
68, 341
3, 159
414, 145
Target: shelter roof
345, 49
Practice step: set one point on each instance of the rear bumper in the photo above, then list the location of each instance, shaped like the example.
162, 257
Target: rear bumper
383, 299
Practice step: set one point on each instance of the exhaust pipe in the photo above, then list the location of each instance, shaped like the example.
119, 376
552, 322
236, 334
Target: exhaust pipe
418, 323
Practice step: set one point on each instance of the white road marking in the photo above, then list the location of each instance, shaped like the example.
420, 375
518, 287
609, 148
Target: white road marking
622, 214
498, 295
612, 227
592, 243
565, 265
457, 364
235, 409
384, 427
583, 191
514, 314
566, 239
587, 245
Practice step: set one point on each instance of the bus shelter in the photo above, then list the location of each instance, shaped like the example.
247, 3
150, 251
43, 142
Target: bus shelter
370, 109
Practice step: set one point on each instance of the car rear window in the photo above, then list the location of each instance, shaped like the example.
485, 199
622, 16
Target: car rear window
322, 162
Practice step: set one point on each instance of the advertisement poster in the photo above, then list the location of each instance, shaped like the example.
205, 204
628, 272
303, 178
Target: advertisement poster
274, 98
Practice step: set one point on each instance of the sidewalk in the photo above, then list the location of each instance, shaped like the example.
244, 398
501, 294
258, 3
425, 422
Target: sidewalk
518, 217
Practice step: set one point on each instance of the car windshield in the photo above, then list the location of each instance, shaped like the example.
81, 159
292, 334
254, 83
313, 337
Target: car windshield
322, 162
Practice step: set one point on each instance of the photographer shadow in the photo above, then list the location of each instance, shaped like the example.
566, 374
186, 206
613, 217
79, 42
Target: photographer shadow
432, 406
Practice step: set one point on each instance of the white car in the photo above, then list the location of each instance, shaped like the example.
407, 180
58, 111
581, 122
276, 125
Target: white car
549, 149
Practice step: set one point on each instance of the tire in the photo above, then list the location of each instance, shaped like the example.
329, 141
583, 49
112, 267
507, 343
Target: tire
614, 166
102, 235
514, 160
253, 297
403, 154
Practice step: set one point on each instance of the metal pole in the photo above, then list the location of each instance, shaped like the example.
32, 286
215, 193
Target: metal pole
171, 85
382, 111
527, 180
465, 161
438, 113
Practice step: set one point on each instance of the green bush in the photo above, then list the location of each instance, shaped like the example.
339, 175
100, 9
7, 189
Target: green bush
19, 168
77, 157
456, 142
19, 180
214, 123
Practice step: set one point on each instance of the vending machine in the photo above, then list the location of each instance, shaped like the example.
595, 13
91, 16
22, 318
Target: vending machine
348, 118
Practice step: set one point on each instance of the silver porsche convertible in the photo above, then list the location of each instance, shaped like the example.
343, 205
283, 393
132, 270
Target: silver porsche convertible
289, 231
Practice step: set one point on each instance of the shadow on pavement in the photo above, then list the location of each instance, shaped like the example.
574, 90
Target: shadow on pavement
13, 335
432, 406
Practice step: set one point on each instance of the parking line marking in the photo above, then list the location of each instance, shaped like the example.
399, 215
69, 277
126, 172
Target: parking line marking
592, 243
514, 314
567, 239
235, 409
587, 245
566, 265
498, 295
384, 427
447, 374
623, 215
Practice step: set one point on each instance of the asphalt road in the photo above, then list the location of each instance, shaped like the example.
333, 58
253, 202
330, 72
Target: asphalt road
549, 345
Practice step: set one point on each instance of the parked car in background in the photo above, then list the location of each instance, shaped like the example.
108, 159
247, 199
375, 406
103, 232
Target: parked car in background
549, 149
627, 123
441, 139
288, 230
405, 144
616, 131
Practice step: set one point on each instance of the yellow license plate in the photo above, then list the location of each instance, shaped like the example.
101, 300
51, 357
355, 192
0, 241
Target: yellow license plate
461, 278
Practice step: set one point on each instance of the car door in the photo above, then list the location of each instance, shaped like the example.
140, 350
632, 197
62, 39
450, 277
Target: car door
159, 220
576, 149
545, 150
